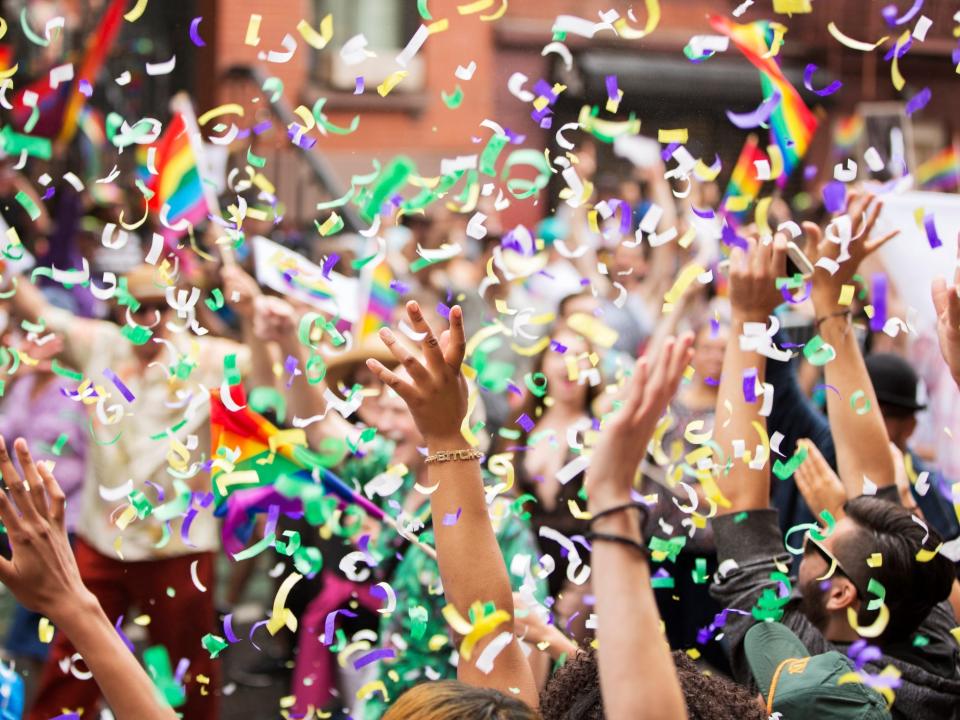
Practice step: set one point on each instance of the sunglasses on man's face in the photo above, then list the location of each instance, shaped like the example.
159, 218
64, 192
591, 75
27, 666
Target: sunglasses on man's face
812, 546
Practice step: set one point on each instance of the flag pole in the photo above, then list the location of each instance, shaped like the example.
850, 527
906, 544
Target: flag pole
181, 103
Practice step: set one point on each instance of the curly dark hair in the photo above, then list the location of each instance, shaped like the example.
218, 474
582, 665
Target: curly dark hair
573, 693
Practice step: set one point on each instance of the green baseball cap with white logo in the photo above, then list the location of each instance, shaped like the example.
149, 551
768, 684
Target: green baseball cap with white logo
801, 686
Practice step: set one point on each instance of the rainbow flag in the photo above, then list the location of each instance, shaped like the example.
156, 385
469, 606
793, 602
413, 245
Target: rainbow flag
744, 185
60, 107
792, 125
941, 173
256, 466
381, 301
847, 134
179, 195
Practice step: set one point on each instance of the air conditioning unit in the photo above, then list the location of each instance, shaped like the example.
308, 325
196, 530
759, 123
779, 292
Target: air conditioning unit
374, 71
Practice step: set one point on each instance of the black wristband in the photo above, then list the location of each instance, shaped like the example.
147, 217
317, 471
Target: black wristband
620, 540
838, 313
645, 510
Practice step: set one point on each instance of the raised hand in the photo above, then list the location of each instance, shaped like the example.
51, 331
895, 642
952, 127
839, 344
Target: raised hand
434, 389
946, 301
818, 483
753, 275
274, 319
238, 284
625, 436
42, 574
827, 252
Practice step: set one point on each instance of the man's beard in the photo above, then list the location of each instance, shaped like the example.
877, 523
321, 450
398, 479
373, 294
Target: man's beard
813, 604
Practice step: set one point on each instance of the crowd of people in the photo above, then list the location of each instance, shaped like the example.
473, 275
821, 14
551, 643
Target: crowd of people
603, 491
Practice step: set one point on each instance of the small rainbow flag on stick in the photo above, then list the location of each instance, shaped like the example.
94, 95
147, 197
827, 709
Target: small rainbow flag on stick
941, 173
381, 301
792, 125
181, 198
744, 185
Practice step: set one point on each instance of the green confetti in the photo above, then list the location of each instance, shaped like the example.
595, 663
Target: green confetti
137, 335
254, 159
920, 640
214, 644
28, 204
784, 470
15, 143
230, 371
855, 398
215, 302
817, 352
266, 398
423, 10
517, 505
875, 588
157, 661
699, 571
488, 158
392, 178
668, 547
59, 444
454, 100
663, 582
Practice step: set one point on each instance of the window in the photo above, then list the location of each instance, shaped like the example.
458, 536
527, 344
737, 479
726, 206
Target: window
387, 26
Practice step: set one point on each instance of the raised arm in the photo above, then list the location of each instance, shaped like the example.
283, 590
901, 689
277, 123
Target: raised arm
276, 320
629, 627
44, 577
946, 301
753, 297
859, 434
472, 569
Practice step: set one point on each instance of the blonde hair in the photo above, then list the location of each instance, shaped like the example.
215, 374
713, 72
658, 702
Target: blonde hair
453, 700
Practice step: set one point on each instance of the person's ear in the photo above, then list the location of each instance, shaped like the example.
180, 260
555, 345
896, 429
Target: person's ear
841, 595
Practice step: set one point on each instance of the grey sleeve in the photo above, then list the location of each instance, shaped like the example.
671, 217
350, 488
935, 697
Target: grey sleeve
755, 545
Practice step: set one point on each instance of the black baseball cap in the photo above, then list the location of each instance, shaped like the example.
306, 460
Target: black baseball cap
895, 382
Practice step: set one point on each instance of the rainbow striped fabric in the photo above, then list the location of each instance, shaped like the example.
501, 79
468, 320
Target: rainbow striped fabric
847, 133
179, 196
381, 303
792, 125
744, 185
60, 108
941, 173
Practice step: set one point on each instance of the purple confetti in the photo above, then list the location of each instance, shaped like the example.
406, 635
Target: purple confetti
328, 624
668, 151
329, 264
879, 294
373, 656
919, 101
399, 287
358, 90
261, 128
194, 34
900, 52
809, 172
124, 390
750, 385
730, 238
443, 310
909, 14
181, 670
707, 214
824, 386
525, 422
228, 628
452, 518
808, 82
558, 346
789, 297
123, 636
49, 193
712, 382
756, 117
930, 224
613, 94
835, 196
86, 89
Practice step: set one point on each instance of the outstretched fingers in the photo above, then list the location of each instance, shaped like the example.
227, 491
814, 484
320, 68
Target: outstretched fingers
404, 389
15, 485
430, 343
406, 358
456, 344
56, 499
36, 490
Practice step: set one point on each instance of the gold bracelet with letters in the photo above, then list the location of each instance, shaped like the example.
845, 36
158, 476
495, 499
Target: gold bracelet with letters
451, 455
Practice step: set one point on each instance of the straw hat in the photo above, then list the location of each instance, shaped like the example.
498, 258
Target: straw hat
142, 283
342, 366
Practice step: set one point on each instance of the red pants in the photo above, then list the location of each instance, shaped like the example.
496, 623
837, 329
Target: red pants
178, 623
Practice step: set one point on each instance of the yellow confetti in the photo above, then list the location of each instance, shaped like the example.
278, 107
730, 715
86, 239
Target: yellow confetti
593, 329
789, 7
438, 27
895, 75
282, 615
613, 104
314, 39
778, 32
679, 135
687, 275
874, 629
760, 215
875, 560
45, 631
496, 14
225, 109
854, 44
846, 294
474, 7
253, 31
141, 620
924, 555
653, 19
391, 82
370, 688
135, 12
